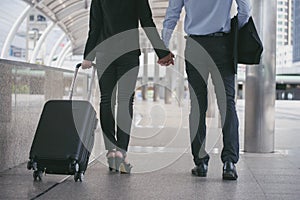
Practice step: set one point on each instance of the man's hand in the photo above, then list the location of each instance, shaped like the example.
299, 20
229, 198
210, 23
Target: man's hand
167, 60
86, 64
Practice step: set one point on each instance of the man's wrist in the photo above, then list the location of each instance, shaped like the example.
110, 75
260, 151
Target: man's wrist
166, 36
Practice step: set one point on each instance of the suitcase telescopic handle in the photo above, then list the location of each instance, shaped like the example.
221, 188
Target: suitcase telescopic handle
74, 80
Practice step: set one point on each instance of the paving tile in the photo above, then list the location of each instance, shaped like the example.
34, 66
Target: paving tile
164, 173
281, 188
283, 196
17, 183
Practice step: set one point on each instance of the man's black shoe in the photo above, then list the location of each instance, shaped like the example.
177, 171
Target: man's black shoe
229, 171
200, 170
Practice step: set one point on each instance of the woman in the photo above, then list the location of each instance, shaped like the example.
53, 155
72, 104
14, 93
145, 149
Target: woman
114, 37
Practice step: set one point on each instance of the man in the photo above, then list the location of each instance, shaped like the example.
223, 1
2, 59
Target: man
207, 24
114, 40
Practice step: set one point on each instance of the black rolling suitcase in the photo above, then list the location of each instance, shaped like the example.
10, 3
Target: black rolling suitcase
64, 137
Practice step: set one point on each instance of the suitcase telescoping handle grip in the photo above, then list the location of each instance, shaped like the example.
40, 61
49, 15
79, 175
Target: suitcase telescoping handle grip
74, 79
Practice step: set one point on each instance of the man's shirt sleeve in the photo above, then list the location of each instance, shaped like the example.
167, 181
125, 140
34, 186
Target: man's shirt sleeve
244, 11
172, 16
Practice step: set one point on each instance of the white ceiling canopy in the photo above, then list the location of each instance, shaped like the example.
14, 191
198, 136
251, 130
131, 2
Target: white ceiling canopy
72, 16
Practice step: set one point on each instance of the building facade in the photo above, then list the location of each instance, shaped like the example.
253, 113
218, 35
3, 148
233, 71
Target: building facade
296, 32
284, 53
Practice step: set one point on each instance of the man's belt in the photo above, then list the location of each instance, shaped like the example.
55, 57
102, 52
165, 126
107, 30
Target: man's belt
217, 34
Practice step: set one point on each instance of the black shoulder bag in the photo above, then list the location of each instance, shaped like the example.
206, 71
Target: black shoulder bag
247, 46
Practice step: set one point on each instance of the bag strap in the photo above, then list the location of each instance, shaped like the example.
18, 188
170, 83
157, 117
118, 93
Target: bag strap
235, 37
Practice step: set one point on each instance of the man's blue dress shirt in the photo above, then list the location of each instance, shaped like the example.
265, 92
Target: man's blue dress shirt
203, 16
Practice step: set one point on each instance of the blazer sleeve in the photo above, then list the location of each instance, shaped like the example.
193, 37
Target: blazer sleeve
147, 23
95, 24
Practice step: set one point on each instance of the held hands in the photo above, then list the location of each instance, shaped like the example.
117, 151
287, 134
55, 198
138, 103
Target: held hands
167, 60
86, 64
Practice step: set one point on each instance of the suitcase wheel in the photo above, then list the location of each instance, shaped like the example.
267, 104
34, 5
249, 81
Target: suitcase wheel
37, 175
74, 167
78, 176
32, 165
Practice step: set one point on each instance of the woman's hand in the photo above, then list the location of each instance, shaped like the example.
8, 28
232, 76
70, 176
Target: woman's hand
86, 64
167, 60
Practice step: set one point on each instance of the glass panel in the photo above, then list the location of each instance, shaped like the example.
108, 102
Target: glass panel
24, 89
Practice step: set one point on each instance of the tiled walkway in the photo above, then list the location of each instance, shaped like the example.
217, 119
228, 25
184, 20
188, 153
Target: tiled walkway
160, 153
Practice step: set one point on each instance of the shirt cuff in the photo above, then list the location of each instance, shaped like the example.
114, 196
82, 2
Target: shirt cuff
166, 36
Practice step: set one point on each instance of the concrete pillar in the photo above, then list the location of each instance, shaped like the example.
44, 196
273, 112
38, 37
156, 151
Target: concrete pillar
156, 80
211, 97
6, 83
168, 79
145, 76
260, 83
168, 85
180, 63
244, 90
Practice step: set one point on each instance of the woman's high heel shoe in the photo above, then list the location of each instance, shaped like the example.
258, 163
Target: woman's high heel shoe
111, 160
122, 166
